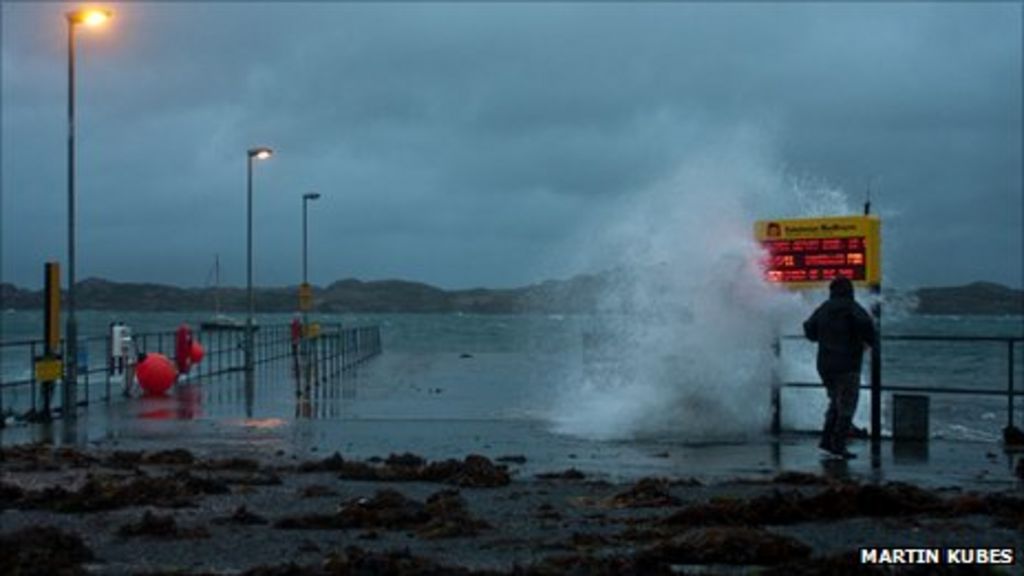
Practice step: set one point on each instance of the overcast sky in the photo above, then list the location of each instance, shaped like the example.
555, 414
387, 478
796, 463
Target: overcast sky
486, 144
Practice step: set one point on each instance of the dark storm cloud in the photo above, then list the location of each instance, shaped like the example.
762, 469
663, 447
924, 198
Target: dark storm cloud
472, 144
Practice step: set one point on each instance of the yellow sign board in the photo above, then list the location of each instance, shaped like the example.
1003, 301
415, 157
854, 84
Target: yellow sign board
49, 369
305, 296
810, 252
312, 330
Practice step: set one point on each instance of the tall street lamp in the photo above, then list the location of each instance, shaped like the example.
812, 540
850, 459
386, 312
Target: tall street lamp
90, 18
260, 153
305, 292
305, 241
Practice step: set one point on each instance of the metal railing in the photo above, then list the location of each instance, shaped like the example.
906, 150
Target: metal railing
1009, 391
335, 349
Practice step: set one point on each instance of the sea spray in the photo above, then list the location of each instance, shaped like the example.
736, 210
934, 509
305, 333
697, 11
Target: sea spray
682, 343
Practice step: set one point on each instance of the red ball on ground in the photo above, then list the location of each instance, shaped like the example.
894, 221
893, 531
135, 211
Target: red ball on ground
196, 354
156, 373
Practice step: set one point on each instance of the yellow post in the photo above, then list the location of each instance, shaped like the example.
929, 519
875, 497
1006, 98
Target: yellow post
305, 296
48, 367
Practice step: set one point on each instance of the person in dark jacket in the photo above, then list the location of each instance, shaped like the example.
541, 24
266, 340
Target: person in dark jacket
842, 328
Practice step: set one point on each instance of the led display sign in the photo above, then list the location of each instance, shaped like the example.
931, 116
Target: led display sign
810, 252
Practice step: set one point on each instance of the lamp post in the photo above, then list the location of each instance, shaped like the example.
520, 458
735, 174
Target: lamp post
89, 18
261, 153
305, 239
305, 293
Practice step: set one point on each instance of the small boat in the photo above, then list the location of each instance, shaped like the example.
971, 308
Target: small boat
223, 322
220, 321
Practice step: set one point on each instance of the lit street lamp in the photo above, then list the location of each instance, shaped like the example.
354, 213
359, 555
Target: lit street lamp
260, 154
89, 18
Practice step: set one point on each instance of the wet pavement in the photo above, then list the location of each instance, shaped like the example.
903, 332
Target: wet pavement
447, 408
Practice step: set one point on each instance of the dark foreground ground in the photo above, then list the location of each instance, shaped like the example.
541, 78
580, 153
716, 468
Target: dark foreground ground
65, 511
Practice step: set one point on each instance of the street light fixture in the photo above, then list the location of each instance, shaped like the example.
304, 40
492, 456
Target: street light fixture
260, 153
91, 18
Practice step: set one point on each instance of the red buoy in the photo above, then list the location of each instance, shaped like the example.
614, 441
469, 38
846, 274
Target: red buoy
196, 354
156, 373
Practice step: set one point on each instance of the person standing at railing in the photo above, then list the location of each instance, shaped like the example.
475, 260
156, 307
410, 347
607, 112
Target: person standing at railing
842, 328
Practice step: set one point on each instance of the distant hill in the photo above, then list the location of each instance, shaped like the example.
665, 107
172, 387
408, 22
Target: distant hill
977, 298
578, 294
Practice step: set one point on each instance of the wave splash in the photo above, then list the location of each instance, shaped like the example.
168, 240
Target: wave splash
682, 345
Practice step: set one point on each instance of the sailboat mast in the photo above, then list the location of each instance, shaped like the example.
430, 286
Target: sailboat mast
216, 282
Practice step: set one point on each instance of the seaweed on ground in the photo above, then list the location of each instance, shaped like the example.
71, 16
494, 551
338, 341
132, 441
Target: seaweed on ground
842, 501
546, 511
474, 471
388, 509
250, 478
10, 495
317, 491
569, 474
125, 459
112, 492
42, 551
44, 457
174, 456
590, 565
236, 464
449, 517
646, 493
444, 515
800, 479
725, 545
407, 460
242, 515
157, 526
355, 560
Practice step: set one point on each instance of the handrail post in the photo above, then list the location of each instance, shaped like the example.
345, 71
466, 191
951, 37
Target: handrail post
2, 418
1009, 383
876, 374
110, 355
86, 374
776, 389
32, 358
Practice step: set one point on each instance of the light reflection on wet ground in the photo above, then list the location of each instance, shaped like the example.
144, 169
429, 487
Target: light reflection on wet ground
442, 406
